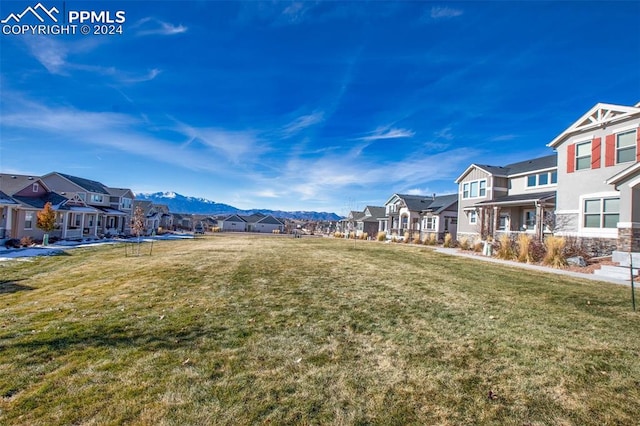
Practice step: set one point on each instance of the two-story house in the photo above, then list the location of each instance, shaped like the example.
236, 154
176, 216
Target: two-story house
90, 221
118, 215
518, 197
598, 197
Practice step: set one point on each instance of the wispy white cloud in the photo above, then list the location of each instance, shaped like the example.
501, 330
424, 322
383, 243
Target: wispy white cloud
302, 123
387, 133
417, 191
152, 26
50, 53
502, 138
443, 12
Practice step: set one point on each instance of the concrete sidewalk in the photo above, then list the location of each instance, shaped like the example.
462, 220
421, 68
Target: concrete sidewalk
457, 252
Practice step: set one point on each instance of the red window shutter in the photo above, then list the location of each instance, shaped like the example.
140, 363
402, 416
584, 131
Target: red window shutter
596, 152
571, 158
638, 144
610, 151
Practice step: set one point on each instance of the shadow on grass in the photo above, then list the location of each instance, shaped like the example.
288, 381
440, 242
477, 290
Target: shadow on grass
13, 287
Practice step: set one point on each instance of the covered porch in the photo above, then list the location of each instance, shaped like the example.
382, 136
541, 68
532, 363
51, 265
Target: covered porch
514, 214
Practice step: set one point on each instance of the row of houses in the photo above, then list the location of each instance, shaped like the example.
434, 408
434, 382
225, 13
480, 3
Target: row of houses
588, 188
89, 209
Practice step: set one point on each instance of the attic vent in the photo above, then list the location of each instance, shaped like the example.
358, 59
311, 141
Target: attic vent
14, 177
30, 178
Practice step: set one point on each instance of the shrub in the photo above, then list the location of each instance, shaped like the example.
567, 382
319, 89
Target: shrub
505, 248
477, 246
537, 250
364, 236
26, 241
417, 240
464, 243
555, 252
352, 235
406, 237
337, 234
12, 243
381, 236
524, 248
575, 247
448, 241
431, 240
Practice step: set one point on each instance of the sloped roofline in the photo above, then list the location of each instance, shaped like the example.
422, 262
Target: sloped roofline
600, 115
484, 169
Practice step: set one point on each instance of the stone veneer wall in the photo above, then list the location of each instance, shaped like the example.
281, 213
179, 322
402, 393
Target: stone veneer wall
629, 239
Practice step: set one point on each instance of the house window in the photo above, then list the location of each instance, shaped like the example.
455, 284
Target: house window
475, 189
473, 217
601, 213
82, 196
554, 177
90, 220
28, 220
542, 179
503, 225
530, 219
531, 180
96, 198
35, 187
583, 156
126, 203
626, 147
430, 223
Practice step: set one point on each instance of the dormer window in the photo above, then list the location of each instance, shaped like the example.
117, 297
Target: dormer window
35, 187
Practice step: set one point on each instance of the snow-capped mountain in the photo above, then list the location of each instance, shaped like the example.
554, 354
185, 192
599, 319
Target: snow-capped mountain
178, 203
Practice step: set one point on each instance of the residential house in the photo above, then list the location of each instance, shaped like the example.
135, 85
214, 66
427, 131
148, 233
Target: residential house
27, 195
156, 216
348, 224
256, 222
419, 216
518, 197
598, 199
95, 198
119, 212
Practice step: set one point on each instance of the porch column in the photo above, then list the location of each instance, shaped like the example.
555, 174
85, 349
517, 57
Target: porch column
539, 219
8, 211
483, 225
95, 226
64, 225
82, 225
496, 219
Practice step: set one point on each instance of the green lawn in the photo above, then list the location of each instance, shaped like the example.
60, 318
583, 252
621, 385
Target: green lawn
251, 330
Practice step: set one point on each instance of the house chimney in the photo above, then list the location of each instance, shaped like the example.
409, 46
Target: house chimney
434, 196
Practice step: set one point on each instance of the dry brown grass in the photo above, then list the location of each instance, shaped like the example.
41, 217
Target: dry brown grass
248, 329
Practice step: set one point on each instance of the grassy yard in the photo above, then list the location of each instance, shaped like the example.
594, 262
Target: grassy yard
251, 330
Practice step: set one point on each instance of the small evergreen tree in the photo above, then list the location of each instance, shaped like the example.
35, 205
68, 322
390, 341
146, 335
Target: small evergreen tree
46, 220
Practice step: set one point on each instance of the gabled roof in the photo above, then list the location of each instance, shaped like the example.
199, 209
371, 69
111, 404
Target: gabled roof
528, 166
600, 115
513, 169
375, 211
442, 202
119, 192
56, 200
5, 199
252, 218
86, 184
270, 220
234, 218
11, 184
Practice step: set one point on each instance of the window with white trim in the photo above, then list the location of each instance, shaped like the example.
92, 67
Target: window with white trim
35, 187
503, 224
583, 155
601, 212
126, 203
96, 198
626, 146
430, 223
474, 189
28, 220
473, 217
530, 219
542, 179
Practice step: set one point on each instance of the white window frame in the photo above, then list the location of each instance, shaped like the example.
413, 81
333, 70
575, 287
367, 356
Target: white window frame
536, 177
583, 156
97, 198
28, 220
35, 187
601, 213
430, 223
633, 146
507, 222
530, 227
481, 192
473, 217
127, 203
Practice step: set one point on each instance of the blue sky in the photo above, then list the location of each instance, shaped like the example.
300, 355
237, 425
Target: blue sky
326, 106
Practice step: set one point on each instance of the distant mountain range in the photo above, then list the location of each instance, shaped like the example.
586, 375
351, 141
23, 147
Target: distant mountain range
182, 204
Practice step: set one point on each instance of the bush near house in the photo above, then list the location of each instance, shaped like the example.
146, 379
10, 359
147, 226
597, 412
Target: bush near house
381, 236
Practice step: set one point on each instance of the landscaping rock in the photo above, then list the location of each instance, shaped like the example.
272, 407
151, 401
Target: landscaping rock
577, 261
